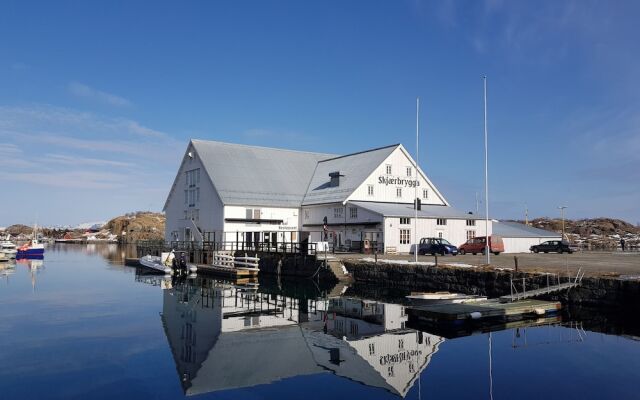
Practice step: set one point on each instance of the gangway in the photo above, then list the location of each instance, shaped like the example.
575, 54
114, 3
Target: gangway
539, 291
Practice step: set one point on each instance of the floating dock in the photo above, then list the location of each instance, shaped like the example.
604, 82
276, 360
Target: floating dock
490, 309
226, 272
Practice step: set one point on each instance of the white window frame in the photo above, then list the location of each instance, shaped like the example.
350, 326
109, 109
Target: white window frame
409, 171
471, 234
398, 192
388, 169
425, 193
353, 212
338, 212
405, 221
405, 236
441, 221
471, 222
370, 190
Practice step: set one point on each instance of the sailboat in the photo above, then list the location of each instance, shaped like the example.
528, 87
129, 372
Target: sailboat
33, 248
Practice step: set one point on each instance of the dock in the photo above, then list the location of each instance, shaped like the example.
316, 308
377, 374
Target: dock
490, 309
226, 271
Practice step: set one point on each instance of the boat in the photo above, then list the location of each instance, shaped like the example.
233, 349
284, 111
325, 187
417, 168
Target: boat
3, 257
424, 298
157, 263
33, 248
8, 248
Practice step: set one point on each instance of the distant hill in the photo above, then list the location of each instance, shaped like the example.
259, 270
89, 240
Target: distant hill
142, 225
586, 227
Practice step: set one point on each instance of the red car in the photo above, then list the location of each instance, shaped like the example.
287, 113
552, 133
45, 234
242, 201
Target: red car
477, 245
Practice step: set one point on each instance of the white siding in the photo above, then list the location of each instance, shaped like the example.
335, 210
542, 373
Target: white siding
455, 231
387, 193
210, 210
521, 245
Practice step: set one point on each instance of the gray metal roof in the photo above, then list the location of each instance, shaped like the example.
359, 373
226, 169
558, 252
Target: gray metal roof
407, 210
262, 176
355, 168
518, 230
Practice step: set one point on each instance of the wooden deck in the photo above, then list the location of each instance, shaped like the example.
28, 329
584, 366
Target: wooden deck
483, 310
226, 271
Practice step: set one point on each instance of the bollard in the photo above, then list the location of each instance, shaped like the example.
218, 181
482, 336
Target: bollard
436, 260
515, 262
375, 254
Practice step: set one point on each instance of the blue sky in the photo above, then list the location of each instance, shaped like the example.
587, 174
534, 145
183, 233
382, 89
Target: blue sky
99, 99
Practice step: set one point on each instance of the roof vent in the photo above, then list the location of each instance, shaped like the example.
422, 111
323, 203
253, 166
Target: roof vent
335, 178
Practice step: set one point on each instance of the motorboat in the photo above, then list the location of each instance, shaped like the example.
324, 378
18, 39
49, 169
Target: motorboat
157, 263
33, 248
8, 248
429, 298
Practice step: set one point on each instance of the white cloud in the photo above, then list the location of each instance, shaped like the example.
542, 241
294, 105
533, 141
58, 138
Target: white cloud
81, 90
83, 161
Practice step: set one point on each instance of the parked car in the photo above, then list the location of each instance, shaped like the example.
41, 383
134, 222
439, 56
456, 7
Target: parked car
435, 246
478, 245
556, 246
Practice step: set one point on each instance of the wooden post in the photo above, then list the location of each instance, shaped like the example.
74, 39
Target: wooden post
515, 262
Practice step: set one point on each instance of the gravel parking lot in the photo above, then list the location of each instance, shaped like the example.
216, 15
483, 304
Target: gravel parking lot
593, 263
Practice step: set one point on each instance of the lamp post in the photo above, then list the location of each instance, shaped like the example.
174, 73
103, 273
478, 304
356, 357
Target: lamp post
561, 208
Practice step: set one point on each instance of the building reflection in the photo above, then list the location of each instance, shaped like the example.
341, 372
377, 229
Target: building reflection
226, 336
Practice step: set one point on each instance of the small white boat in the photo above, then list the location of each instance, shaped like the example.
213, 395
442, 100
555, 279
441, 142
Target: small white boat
156, 263
8, 248
443, 298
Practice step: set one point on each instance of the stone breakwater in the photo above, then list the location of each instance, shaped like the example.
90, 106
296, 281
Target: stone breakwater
594, 291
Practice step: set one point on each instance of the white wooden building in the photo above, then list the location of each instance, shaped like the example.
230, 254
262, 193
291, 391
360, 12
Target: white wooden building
231, 192
518, 238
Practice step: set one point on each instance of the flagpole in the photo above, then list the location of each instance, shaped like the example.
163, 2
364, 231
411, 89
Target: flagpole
486, 178
415, 187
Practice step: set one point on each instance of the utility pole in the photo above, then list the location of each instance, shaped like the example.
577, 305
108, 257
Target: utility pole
415, 187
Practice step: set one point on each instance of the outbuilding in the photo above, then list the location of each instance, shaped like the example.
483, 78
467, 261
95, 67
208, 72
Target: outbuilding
518, 238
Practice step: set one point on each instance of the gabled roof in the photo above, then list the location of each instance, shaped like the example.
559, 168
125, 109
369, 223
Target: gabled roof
516, 229
407, 210
251, 175
355, 167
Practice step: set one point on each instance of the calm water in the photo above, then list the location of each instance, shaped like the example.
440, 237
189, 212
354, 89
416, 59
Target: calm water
81, 325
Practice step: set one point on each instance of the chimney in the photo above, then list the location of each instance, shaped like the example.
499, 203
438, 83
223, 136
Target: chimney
335, 178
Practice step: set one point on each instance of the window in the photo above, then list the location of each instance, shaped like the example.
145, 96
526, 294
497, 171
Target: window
253, 213
370, 190
405, 221
401, 344
409, 171
405, 236
471, 234
372, 349
337, 212
353, 212
192, 177
440, 235
398, 192
390, 370
388, 168
425, 193
441, 221
353, 328
186, 197
471, 222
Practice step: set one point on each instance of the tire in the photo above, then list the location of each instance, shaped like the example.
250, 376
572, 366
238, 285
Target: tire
433, 254
483, 252
474, 253
462, 252
442, 254
535, 250
560, 251
496, 253
546, 252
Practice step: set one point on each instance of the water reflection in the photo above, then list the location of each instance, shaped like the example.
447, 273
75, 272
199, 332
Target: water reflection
226, 336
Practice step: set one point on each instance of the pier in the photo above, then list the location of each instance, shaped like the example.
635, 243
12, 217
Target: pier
490, 309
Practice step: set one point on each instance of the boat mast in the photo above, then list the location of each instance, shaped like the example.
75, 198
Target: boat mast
486, 177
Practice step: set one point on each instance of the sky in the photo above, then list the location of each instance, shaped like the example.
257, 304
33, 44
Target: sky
98, 100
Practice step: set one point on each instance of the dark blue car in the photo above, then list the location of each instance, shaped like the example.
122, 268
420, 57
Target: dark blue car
435, 246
